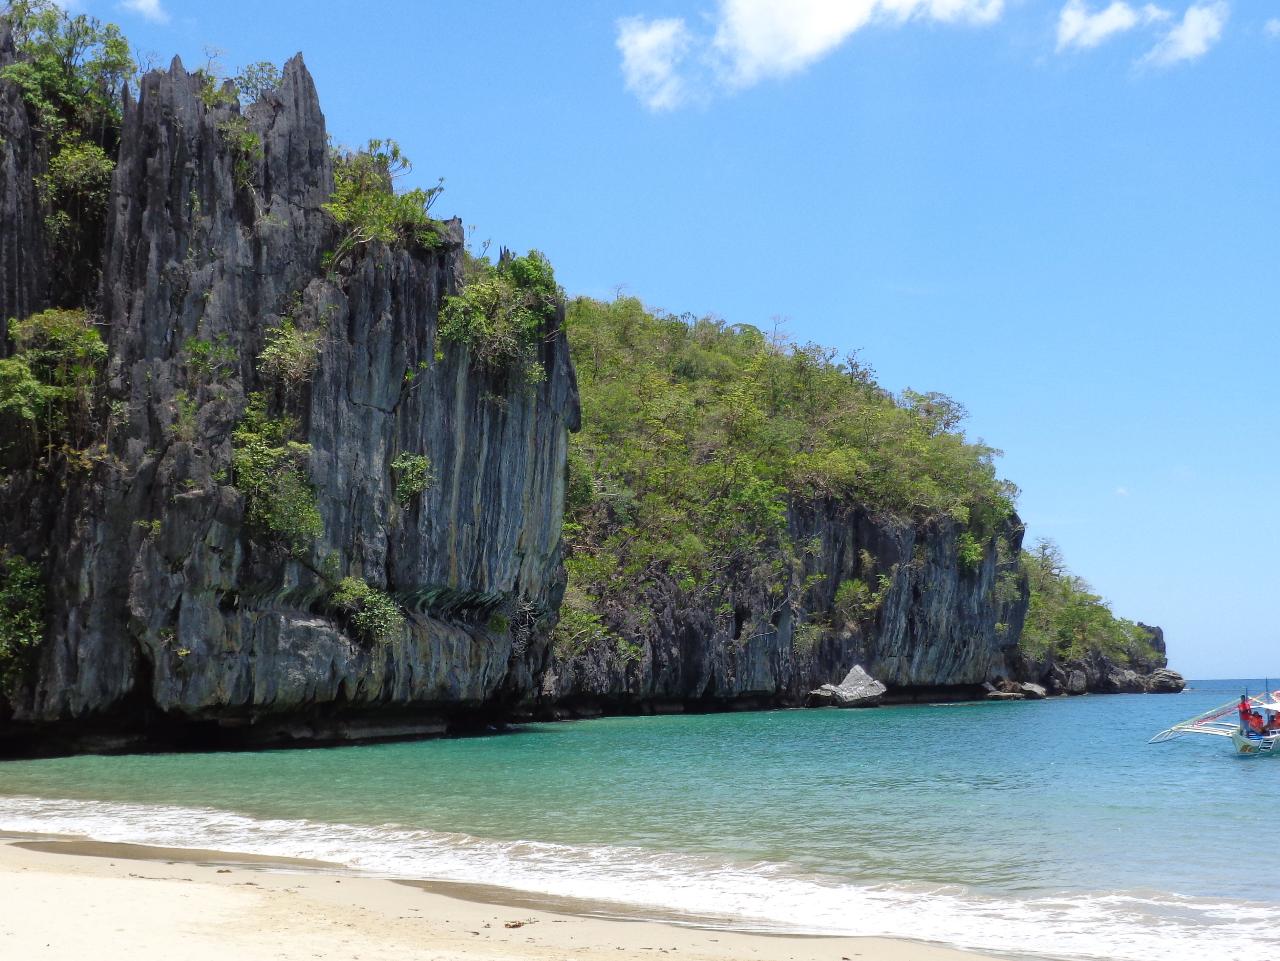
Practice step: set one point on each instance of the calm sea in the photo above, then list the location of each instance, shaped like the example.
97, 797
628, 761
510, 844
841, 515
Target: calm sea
1049, 828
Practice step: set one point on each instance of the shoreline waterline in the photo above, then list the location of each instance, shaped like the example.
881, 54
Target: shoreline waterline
493, 926
1075, 840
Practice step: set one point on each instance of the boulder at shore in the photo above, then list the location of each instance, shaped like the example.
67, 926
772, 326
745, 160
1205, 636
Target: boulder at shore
1164, 681
858, 689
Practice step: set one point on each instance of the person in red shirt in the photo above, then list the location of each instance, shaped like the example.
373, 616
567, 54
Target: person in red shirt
1250, 720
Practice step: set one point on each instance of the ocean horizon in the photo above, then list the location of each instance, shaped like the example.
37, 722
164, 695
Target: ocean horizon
1048, 829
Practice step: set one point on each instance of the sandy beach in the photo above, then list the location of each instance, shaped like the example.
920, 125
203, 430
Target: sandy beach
77, 899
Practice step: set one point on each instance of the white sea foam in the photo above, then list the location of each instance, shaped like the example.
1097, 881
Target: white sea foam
1118, 926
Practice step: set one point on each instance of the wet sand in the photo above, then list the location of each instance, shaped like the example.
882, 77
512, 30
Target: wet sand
73, 898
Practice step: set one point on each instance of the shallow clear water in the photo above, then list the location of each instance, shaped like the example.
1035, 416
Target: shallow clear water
1047, 828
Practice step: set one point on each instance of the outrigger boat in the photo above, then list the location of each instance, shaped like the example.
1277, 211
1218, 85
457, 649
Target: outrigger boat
1254, 732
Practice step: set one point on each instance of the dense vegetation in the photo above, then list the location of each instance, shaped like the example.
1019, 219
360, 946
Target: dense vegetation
503, 312
71, 71
696, 434
1066, 620
368, 208
49, 387
270, 471
372, 614
22, 602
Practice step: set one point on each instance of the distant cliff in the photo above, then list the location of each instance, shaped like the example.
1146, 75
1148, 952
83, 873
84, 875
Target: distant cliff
936, 629
266, 478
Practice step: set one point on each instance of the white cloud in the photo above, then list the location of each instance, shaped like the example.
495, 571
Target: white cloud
1272, 28
1198, 30
1122, 492
1078, 27
652, 51
755, 39
751, 40
149, 9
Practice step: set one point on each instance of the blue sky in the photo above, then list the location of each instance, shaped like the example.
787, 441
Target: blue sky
1064, 215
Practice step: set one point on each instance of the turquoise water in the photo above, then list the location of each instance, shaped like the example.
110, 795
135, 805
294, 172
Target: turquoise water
1046, 828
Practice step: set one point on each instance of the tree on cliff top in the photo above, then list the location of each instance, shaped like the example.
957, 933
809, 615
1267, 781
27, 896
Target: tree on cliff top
697, 434
368, 208
1067, 621
71, 70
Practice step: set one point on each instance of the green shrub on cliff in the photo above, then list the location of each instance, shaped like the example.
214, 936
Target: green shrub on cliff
270, 470
245, 147
856, 600
1067, 620
75, 188
503, 312
22, 613
413, 475
256, 80
49, 387
291, 352
697, 434
579, 626
374, 615
365, 203
970, 551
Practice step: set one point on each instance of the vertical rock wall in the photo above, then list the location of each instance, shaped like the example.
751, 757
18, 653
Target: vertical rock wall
22, 264
163, 604
938, 624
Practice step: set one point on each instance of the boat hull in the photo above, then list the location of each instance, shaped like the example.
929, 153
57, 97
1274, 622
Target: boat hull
1256, 746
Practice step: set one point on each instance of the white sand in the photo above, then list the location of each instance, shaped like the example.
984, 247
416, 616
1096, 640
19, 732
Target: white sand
109, 906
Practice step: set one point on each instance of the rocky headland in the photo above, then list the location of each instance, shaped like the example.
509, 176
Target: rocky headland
391, 563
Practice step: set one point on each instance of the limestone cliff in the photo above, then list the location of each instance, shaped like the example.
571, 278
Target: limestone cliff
22, 263
167, 615
939, 628
172, 621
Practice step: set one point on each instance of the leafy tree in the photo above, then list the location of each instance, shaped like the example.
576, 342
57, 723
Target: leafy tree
256, 80
48, 388
76, 187
270, 471
365, 203
71, 69
696, 437
504, 312
1067, 620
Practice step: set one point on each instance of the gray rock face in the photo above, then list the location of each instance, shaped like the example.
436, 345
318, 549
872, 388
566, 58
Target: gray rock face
858, 689
163, 604
937, 624
1100, 674
22, 258
1164, 681
1122, 681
